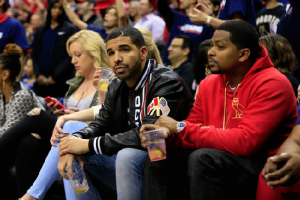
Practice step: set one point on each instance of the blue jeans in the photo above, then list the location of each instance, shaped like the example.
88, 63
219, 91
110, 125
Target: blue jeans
49, 173
129, 173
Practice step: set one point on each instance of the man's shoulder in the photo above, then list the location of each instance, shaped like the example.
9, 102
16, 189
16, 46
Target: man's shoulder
164, 72
12, 23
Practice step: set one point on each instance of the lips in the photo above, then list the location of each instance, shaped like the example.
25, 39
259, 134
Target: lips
211, 62
120, 69
77, 67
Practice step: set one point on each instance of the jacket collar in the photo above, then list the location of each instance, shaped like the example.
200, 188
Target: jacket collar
145, 74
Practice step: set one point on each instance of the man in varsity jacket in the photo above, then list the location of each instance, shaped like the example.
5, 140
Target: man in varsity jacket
143, 91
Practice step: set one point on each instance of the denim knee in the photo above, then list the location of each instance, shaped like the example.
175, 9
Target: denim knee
129, 157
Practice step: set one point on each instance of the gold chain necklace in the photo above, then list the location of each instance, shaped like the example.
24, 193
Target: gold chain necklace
82, 96
224, 118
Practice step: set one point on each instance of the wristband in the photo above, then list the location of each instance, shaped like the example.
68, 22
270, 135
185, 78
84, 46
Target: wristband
46, 80
208, 20
67, 6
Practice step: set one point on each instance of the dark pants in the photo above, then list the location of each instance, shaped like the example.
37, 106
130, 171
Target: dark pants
218, 175
167, 179
204, 174
19, 147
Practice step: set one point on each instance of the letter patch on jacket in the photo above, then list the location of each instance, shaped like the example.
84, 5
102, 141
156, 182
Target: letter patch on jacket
157, 105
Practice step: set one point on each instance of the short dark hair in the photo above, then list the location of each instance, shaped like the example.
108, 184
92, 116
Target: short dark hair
135, 35
187, 43
200, 60
5, 5
242, 35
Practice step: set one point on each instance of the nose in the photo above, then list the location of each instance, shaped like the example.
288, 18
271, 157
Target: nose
169, 48
211, 52
73, 61
117, 58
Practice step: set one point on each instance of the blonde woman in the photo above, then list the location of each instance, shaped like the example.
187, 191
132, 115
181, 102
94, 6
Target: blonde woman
88, 53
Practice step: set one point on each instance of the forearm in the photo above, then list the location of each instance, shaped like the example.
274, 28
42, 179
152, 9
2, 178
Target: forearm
214, 22
121, 13
74, 18
84, 115
292, 143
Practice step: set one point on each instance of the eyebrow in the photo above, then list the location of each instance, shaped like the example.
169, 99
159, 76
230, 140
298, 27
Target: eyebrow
220, 41
120, 46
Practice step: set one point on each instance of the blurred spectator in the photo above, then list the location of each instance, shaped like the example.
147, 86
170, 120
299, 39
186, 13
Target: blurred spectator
180, 51
214, 5
133, 11
282, 56
161, 46
200, 61
110, 20
200, 64
86, 11
101, 7
268, 18
29, 76
15, 102
180, 24
229, 10
153, 52
31, 6
51, 62
36, 21
148, 20
11, 30
289, 27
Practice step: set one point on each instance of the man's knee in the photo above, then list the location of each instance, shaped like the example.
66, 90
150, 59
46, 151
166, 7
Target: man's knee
130, 157
34, 112
203, 157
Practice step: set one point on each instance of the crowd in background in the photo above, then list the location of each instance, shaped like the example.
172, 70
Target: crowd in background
178, 34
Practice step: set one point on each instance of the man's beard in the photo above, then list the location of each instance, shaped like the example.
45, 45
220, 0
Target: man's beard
218, 71
131, 71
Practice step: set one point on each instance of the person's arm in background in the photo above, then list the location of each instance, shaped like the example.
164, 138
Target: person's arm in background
164, 10
35, 46
122, 15
284, 168
199, 16
72, 16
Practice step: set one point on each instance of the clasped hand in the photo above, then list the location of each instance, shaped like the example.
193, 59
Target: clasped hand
282, 170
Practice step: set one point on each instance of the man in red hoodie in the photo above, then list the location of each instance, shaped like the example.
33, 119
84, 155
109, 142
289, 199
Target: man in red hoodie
241, 116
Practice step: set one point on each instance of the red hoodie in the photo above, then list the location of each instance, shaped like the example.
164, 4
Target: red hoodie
261, 117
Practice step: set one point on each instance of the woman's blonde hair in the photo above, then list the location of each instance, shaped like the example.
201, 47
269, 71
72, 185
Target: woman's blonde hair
91, 42
153, 52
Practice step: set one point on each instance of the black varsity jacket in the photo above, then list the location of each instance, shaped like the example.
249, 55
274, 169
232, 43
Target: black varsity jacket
159, 91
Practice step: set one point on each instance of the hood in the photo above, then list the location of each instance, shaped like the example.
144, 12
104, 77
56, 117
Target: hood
61, 18
263, 61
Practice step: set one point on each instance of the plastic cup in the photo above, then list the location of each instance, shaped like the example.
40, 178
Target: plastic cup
156, 144
105, 79
78, 182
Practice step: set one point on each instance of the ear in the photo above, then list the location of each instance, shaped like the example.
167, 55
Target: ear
244, 54
5, 74
143, 53
91, 6
186, 51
